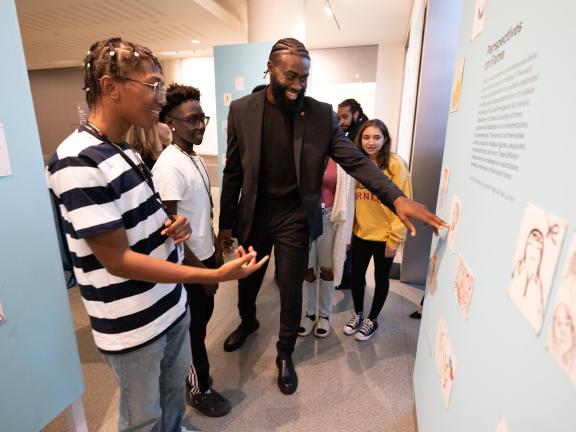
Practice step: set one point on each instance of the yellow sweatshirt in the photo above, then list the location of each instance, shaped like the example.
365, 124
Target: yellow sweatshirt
373, 220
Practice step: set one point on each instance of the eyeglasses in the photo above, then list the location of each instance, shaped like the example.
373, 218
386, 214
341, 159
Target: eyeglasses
193, 121
158, 87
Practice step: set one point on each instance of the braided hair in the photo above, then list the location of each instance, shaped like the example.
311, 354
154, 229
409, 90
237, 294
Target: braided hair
289, 46
176, 95
354, 106
113, 57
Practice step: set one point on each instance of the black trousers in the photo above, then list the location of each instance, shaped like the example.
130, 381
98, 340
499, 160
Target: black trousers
281, 224
362, 251
201, 308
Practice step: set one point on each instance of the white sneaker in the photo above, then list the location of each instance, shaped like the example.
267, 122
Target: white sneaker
322, 328
307, 325
366, 330
354, 323
185, 429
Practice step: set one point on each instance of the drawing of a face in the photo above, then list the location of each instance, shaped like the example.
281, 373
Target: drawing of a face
441, 349
433, 266
444, 179
572, 265
465, 289
455, 216
563, 328
534, 250
480, 11
432, 274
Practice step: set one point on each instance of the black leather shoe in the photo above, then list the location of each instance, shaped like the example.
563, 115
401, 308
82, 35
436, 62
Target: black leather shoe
287, 378
237, 338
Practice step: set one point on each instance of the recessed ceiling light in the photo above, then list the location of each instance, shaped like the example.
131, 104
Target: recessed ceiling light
195, 41
328, 11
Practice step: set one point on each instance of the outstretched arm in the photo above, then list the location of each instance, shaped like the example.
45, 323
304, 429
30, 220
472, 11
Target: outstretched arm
113, 252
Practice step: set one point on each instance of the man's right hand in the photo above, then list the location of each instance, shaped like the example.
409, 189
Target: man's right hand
242, 266
225, 240
406, 209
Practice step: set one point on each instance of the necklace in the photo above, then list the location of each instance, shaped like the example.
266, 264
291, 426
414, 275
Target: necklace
204, 176
141, 168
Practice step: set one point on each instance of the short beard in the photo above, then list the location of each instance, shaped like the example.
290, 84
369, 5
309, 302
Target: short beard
287, 106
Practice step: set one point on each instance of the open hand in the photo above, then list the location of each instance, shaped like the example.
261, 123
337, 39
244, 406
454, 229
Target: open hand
242, 266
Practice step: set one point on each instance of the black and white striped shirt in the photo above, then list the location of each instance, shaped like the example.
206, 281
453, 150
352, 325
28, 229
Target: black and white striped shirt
97, 191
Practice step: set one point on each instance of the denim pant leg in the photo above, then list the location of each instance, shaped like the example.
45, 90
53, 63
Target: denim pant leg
142, 374
174, 369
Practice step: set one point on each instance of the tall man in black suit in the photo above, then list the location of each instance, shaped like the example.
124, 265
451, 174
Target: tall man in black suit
278, 141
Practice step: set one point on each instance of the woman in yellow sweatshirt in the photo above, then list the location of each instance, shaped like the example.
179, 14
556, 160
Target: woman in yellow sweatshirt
377, 231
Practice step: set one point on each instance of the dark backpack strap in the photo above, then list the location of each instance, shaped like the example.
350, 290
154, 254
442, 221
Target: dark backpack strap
65, 256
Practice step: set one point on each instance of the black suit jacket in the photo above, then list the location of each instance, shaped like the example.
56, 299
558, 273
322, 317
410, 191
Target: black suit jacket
317, 134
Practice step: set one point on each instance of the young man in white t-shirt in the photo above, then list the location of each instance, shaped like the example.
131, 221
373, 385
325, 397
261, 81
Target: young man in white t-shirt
184, 187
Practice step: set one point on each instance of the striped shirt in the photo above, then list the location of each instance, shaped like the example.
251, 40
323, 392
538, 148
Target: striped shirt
97, 192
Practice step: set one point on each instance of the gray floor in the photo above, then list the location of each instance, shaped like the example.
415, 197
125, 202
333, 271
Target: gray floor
344, 384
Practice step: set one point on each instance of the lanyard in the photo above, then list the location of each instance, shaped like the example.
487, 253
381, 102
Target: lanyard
204, 178
141, 168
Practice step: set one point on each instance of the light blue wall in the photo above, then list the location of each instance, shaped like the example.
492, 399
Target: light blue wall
231, 61
503, 367
40, 371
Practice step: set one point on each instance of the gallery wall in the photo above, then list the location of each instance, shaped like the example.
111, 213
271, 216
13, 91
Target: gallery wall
497, 346
57, 94
40, 372
440, 40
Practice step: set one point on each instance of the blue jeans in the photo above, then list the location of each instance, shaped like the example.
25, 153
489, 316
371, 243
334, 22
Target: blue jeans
152, 381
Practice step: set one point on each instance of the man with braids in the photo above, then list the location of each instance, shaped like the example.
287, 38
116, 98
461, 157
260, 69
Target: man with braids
184, 187
278, 142
351, 117
125, 249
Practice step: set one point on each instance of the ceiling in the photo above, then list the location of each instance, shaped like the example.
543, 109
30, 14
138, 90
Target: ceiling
57, 33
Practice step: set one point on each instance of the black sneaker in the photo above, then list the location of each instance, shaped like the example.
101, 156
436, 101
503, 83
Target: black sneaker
211, 403
366, 330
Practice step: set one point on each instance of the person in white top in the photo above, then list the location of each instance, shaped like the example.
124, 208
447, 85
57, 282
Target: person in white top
184, 187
